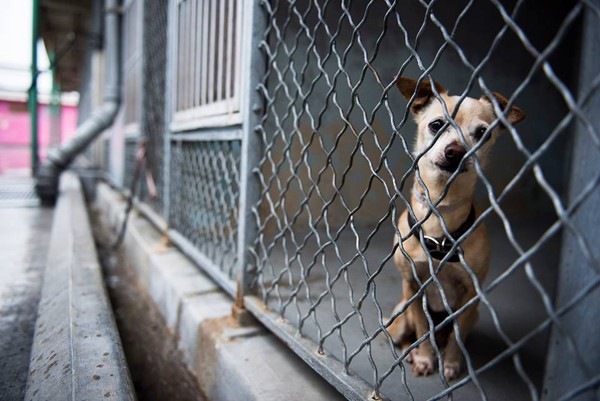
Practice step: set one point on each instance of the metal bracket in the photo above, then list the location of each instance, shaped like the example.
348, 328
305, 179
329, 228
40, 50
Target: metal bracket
242, 316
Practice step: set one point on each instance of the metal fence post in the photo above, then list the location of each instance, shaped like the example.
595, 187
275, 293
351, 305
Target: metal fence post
55, 106
168, 113
567, 375
33, 105
253, 67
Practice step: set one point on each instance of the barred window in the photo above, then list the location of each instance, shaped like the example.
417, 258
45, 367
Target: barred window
132, 62
206, 70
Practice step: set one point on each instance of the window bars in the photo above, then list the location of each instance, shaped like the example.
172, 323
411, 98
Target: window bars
289, 192
132, 51
132, 26
207, 79
204, 87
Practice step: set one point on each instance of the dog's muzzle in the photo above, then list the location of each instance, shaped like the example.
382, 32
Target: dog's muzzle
453, 154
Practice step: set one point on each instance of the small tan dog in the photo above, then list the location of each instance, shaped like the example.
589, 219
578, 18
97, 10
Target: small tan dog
457, 210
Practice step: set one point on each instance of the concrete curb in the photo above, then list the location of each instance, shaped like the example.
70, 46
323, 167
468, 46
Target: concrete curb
77, 352
230, 362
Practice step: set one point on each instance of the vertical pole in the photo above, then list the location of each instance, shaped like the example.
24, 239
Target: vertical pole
54, 108
252, 69
170, 79
566, 372
33, 106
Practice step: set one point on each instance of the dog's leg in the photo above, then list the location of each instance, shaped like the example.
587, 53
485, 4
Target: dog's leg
402, 330
423, 360
452, 354
410, 323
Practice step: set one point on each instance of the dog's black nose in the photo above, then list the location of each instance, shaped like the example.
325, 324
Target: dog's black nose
454, 153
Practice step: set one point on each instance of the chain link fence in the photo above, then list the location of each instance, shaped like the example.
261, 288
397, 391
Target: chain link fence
154, 127
333, 163
338, 168
205, 193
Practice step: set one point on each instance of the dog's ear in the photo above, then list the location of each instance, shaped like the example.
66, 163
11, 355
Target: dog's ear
514, 115
424, 92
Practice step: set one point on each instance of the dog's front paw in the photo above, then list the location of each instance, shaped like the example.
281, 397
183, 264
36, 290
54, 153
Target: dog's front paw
451, 370
410, 356
422, 365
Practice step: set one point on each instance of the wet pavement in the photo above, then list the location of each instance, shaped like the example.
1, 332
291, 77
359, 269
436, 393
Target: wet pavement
24, 237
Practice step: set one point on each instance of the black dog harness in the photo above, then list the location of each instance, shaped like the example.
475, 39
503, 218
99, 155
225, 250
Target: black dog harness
439, 247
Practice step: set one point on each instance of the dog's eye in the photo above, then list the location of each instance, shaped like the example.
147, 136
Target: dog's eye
478, 134
436, 125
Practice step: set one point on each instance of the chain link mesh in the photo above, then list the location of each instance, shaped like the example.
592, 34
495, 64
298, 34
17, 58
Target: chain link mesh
204, 198
154, 87
131, 147
337, 166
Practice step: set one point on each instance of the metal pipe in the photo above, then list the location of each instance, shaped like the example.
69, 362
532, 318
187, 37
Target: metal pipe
33, 105
54, 108
59, 158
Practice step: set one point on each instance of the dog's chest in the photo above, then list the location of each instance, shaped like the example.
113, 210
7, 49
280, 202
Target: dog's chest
449, 283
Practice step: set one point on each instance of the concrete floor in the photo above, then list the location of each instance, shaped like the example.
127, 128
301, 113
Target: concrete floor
24, 237
518, 306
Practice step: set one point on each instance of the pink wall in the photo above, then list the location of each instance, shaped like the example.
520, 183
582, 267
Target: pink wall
15, 133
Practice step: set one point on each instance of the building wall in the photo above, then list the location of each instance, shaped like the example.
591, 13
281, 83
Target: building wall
15, 132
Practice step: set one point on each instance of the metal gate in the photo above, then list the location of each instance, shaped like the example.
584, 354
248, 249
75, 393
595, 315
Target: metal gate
283, 153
